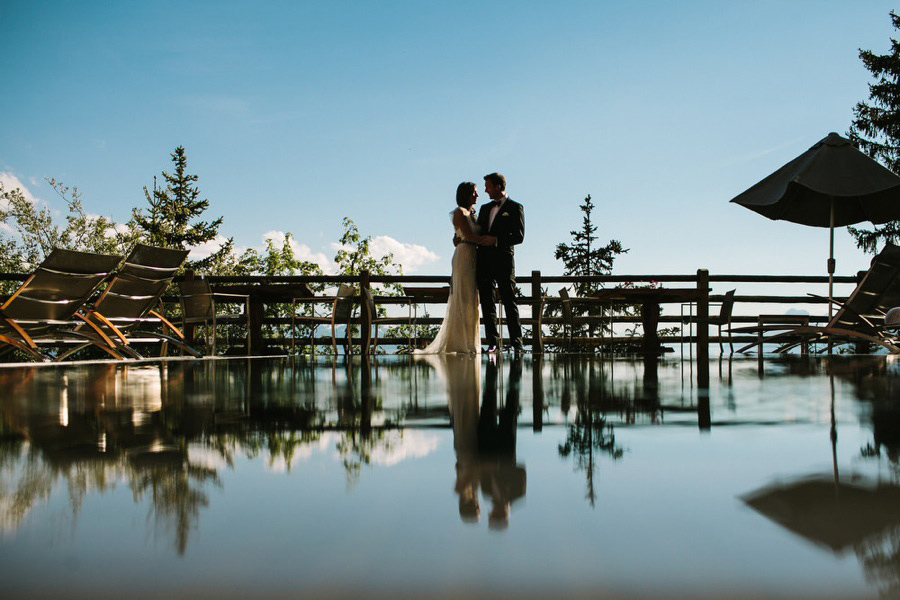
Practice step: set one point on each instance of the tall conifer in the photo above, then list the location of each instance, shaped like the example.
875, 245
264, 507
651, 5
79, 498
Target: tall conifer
173, 217
876, 129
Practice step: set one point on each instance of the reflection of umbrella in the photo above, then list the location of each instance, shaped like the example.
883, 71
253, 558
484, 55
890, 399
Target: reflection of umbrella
829, 513
830, 185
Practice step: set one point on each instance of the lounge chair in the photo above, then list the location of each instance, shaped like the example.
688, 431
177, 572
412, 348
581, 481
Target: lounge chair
44, 310
859, 319
129, 302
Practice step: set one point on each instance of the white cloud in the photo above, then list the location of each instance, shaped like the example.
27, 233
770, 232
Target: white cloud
11, 182
301, 454
301, 251
403, 446
411, 256
206, 249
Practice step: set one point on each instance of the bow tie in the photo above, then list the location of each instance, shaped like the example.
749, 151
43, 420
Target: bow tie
496, 202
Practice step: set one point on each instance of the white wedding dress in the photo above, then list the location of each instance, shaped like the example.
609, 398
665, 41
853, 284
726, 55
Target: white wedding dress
459, 331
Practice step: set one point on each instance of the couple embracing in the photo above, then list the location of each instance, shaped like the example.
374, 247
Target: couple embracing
484, 255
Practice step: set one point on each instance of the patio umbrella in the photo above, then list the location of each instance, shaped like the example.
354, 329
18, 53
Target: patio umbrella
830, 185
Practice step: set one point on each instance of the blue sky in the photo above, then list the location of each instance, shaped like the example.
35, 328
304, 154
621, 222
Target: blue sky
296, 114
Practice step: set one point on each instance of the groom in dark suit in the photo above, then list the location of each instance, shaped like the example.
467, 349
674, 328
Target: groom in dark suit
505, 220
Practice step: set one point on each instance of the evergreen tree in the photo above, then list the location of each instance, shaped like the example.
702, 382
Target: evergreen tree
876, 129
172, 219
584, 257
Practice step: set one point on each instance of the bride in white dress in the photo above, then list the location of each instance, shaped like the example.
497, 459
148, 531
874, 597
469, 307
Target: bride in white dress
459, 331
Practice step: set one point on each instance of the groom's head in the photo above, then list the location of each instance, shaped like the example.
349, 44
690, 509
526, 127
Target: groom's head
494, 185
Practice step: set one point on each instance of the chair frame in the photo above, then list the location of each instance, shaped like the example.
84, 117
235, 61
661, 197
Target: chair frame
206, 290
341, 302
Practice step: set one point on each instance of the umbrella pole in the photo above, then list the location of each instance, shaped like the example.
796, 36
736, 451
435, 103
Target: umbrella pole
831, 265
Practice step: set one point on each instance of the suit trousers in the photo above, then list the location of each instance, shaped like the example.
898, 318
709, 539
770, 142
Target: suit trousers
498, 265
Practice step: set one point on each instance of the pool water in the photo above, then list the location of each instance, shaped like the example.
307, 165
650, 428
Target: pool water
451, 477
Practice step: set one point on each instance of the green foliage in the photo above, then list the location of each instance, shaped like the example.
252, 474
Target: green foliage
280, 261
277, 261
876, 130
33, 232
354, 256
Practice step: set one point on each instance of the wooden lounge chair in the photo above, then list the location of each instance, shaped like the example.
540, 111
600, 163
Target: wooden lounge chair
859, 319
44, 310
128, 304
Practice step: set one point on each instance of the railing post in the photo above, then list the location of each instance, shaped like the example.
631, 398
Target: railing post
365, 319
537, 336
702, 328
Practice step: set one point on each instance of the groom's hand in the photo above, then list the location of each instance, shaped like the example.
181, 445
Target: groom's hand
456, 240
488, 240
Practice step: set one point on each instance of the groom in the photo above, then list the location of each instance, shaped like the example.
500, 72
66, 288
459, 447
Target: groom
505, 220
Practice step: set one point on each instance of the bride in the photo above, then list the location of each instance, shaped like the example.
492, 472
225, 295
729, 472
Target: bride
459, 331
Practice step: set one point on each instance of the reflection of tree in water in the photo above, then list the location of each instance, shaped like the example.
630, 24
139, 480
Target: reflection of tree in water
880, 558
590, 430
33, 486
175, 492
357, 438
589, 433
87, 430
72, 439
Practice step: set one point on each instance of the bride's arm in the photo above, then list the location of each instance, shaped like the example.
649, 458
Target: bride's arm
465, 227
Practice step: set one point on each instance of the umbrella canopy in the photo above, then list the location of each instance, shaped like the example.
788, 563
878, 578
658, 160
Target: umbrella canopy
833, 514
831, 173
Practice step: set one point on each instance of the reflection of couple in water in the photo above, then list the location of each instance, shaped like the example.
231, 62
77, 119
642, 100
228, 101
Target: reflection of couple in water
485, 438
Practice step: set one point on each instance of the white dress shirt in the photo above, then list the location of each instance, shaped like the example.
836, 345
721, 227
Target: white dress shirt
495, 210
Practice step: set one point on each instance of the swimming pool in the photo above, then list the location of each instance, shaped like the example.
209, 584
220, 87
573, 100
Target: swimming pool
448, 477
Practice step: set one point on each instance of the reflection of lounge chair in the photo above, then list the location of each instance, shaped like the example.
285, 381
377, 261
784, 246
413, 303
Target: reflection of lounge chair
44, 309
128, 303
859, 319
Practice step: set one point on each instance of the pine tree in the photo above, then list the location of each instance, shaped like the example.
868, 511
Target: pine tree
876, 129
583, 257
172, 219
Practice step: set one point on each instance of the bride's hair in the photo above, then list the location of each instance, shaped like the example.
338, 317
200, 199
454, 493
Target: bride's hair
464, 194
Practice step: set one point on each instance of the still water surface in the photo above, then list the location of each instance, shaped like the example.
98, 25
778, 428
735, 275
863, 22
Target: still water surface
451, 477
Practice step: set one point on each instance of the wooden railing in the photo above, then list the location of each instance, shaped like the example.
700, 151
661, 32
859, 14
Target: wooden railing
533, 288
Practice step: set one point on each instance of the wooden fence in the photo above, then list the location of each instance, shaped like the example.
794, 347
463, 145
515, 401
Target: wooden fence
533, 288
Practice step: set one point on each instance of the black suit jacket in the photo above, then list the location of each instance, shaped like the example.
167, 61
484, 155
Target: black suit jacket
508, 227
